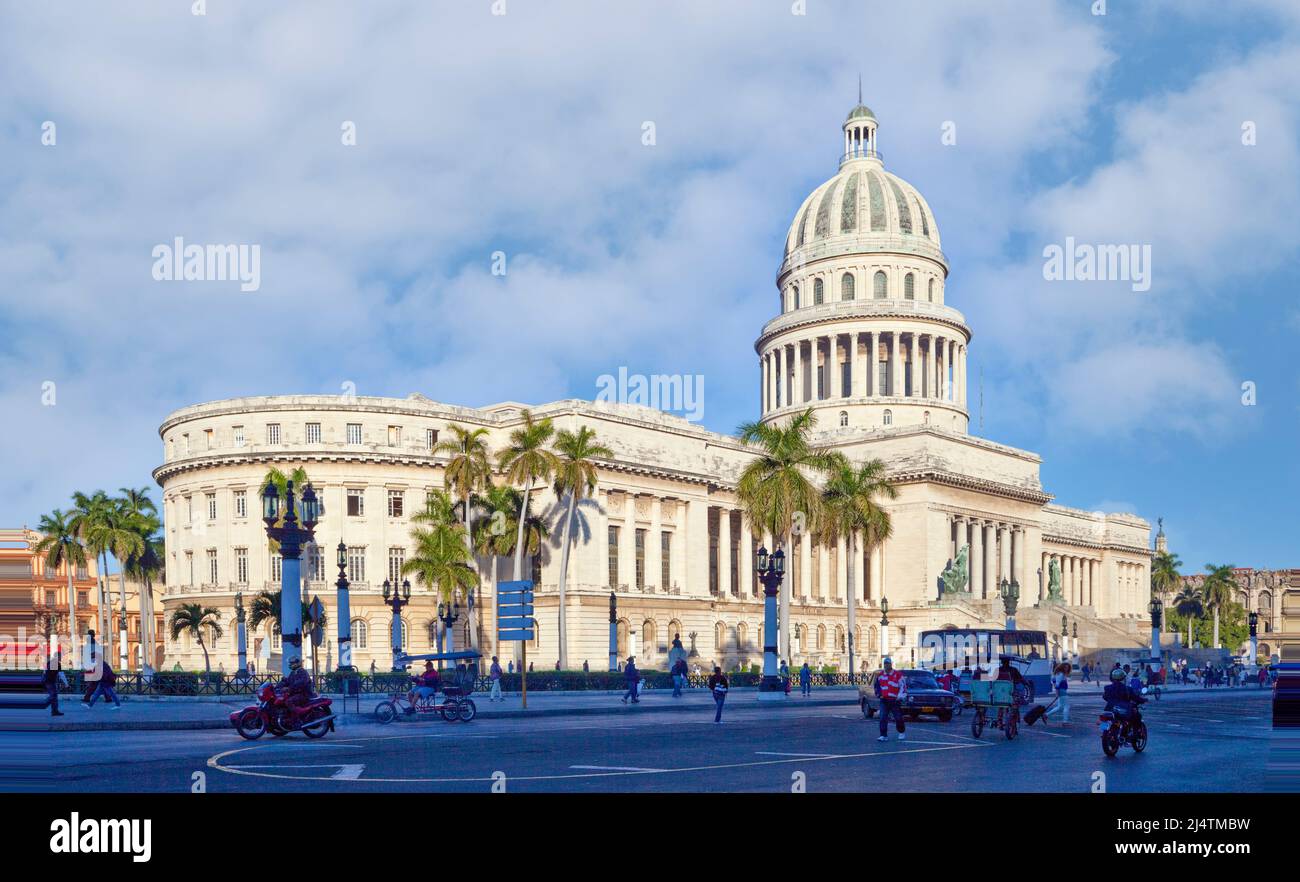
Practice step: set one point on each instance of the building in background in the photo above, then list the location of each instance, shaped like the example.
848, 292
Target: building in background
30, 591
1275, 596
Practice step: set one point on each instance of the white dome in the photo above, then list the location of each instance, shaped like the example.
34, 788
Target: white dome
864, 202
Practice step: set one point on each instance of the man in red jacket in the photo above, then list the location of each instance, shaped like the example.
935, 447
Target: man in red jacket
890, 687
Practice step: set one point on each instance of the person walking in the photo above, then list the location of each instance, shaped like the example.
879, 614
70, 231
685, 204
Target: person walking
679, 677
718, 685
632, 677
805, 680
785, 676
52, 679
1087, 673
90, 668
1061, 682
105, 688
891, 686
586, 668
495, 673
510, 666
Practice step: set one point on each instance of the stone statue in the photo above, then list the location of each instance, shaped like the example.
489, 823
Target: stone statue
956, 575
1054, 581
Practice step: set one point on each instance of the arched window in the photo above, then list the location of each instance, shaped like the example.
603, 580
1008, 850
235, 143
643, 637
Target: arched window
719, 640
846, 287
889, 417
403, 635
674, 631
794, 299
648, 639
742, 636
620, 639
821, 637
909, 287
817, 292
880, 286
844, 417
839, 639
360, 634
932, 290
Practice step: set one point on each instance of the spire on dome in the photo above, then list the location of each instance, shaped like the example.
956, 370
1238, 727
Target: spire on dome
860, 131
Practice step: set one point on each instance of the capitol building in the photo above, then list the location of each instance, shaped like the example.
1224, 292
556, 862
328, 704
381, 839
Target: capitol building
862, 333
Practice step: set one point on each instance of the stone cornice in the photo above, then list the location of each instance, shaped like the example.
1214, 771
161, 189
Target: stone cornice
859, 311
967, 482
294, 455
1096, 545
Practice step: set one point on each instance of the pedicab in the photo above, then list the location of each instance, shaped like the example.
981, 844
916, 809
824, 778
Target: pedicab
1003, 697
457, 687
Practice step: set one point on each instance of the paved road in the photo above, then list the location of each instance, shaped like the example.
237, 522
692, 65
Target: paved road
1219, 741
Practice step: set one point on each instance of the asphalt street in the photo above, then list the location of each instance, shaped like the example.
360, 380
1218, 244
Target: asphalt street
1215, 741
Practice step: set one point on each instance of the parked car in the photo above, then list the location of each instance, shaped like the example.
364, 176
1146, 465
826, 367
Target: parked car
924, 696
1286, 696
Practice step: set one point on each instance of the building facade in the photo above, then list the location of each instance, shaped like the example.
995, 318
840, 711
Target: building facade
1275, 596
33, 595
862, 334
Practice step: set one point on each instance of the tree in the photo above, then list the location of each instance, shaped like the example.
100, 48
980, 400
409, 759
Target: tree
119, 532
90, 514
1188, 604
776, 488
60, 547
1165, 578
192, 618
441, 559
468, 470
1217, 592
849, 509
527, 461
575, 477
142, 518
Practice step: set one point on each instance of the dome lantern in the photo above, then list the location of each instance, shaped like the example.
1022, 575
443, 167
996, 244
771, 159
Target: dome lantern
860, 132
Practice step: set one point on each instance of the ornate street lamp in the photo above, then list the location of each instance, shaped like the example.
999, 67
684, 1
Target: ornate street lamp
1253, 618
396, 598
771, 570
449, 614
1010, 594
884, 627
613, 631
241, 635
291, 538
344, 611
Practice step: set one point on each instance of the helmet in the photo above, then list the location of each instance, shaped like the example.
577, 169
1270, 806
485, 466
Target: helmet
295, 663
886, 661
1117, 675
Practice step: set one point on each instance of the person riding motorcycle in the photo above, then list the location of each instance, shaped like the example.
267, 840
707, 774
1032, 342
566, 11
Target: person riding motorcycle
1122, 699
297, 687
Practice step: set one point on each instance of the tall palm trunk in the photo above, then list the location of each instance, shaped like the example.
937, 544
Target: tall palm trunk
519, 536
146, 628
207, 663
1216, 626
474, 628
1189, 632
123, 650
563, 632
852, 598
75, 648
783, 609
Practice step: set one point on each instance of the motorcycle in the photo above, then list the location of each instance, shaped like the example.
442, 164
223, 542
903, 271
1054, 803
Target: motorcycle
1118, 729
271, 714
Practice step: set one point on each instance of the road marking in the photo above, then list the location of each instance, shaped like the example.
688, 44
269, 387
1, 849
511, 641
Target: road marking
779, 753
617, 769
349, 772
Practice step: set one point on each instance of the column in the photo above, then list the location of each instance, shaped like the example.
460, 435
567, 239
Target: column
1099, 587
869, 368
936, 367
877, 574
977, 584
896, 365
912, 366
777, 399
954, 536
654, 546
627, 542
746, 556
724, 552
1004, 537
805, 566
821, 574
841, 572
834, 384
764, 388
961, 378
1018, 556
990, 560
857, 388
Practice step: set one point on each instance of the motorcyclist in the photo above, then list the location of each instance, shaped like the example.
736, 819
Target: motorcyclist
296, 686
1122, 699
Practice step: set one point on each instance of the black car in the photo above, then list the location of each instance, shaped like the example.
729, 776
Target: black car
1286, 696
924, 695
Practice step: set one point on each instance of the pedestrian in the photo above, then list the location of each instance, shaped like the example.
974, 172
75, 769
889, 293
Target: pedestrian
805, 680
1061, 682
1263, 675
495, 673
679, 677
90, 668
890, 688
105, 688
586, 669
52, 679
557, 664
372, 667
1087, 673
632, 677
785, 676
718, 685
530, 667
510, 666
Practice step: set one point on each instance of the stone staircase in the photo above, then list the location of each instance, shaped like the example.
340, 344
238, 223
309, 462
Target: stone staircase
1094, 633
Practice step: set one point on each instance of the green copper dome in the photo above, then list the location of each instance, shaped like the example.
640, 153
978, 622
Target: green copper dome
862, 111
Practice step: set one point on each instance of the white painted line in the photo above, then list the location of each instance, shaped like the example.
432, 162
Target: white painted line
617, 769
779, 753
349, 772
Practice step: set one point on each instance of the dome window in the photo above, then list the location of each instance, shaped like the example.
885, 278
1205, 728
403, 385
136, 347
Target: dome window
909, 287
846, 287
794, 299
844, 417
880, 285
888, 419
932, 290
817, 292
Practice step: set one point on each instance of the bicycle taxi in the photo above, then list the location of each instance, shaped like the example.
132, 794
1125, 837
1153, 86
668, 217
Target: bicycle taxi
1003, 697
458, 684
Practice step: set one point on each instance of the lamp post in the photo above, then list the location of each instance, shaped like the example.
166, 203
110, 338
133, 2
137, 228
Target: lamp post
291, 538
771, 570
241, 635
344, 612
1155, 607
1010, 593
396, 598
1253, 618
613, 631
1075, 642
884, 627
449, 614
1065, 635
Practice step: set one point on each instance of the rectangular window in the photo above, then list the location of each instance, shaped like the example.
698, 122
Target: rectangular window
82, 572
396, 503
354, 433
882, 379
640, 559
189, 566
272, 433
394, 436
713, 563
536, 575
212, 566
313, 433
431, 438
356, 563
83, 599
189, 509
211, 500
241, 565
51, 598
207, 438
186, 440
666, 558
821, 382
239, 436
315, 563
735, 570
241, 504
396, 560
277, 568
356, 503
613, 558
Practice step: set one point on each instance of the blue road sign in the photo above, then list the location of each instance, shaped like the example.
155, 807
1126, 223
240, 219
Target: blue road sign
516, 635
515, 609
505, 624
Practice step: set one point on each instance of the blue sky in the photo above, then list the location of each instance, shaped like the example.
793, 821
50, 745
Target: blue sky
522, 133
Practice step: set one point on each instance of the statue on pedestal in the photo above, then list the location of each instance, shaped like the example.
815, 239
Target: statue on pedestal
1054, 581
956, 578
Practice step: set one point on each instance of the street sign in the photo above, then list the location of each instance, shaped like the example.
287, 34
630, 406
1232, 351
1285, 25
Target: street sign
515, 622
521, 635
515, 611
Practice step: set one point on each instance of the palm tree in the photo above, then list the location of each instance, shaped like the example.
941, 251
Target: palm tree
89, 514
575, 476
59, 545
527, 461
776, 489
468, 470
1217, 591
441, 559
142, 566
123, 540
1189, 605
141, 517
193, 618
1165, 578
849, 505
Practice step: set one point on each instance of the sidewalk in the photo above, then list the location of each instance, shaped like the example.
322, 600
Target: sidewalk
140, 713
